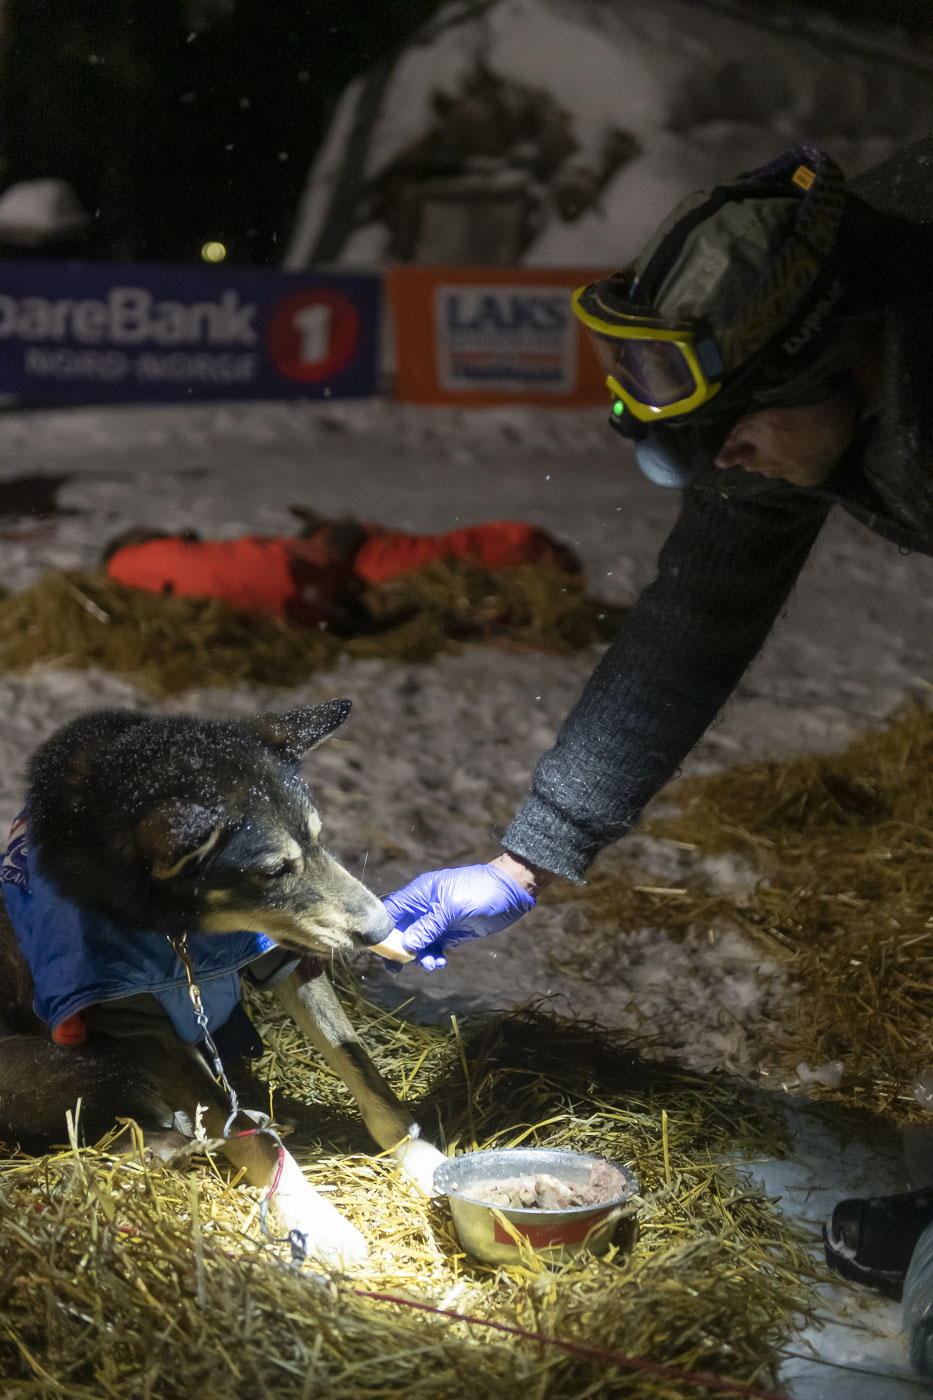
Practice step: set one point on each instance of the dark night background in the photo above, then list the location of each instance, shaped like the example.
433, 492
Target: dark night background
183, 120
179, 121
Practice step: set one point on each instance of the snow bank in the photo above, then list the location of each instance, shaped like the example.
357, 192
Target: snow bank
706, 90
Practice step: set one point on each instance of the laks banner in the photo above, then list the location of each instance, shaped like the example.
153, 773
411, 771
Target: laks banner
84, 332
479, 336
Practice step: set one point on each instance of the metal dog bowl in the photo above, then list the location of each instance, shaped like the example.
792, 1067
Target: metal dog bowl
507, 1234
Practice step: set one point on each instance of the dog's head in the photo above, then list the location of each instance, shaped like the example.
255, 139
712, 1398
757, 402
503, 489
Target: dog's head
180, 824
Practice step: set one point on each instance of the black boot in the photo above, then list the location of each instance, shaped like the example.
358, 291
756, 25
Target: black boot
871, 1240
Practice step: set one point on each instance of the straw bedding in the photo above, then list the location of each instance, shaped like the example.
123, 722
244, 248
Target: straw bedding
120, 1281
843, 848
169, 644
117, 1280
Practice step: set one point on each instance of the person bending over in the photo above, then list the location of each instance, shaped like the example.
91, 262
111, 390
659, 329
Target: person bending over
768, 354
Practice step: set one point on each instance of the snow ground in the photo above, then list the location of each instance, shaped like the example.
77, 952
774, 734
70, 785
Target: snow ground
436, 755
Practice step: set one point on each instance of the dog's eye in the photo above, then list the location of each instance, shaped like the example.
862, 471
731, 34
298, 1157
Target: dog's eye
274, 872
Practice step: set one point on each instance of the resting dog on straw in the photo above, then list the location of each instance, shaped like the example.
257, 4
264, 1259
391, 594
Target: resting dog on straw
155, 858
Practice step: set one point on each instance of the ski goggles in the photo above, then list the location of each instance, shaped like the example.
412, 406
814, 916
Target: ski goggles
655, 367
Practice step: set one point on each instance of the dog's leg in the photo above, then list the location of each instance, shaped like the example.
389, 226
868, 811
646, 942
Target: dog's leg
296, 1205
41, 1082
313, 1004
189, 1085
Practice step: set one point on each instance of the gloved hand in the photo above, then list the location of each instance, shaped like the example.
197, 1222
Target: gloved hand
442, 908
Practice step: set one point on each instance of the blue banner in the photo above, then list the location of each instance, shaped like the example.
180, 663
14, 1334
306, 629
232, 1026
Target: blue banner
86, 332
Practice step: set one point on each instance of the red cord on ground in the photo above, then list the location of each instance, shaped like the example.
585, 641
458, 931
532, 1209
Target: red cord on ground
614, 1358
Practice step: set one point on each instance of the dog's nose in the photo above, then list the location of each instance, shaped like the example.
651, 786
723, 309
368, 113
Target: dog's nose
378, 927
386, 940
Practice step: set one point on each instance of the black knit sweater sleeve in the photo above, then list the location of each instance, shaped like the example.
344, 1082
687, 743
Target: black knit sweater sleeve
723, 576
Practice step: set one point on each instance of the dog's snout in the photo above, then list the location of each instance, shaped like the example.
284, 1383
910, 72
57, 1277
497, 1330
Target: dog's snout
376, 929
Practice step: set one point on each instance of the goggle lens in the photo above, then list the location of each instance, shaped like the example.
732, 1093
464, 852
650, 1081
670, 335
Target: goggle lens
654, 373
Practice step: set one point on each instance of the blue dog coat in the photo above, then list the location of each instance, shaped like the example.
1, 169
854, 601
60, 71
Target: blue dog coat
79, 959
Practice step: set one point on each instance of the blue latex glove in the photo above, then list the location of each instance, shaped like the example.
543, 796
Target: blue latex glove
442, 908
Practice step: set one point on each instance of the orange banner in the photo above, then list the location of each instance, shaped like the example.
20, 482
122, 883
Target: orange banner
479, 336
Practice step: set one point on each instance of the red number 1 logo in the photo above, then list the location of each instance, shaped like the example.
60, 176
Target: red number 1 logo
313, 334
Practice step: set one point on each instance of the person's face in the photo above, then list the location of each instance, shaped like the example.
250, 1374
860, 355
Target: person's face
799, 444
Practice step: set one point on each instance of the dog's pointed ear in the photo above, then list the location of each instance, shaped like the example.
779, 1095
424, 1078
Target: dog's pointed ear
175, 834
297, 732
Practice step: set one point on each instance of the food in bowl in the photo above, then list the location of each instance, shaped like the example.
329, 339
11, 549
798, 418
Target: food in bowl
542, 1191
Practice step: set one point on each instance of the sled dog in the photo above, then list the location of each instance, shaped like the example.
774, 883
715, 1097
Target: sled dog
159, 851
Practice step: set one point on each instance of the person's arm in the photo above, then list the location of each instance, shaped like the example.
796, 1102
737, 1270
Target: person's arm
724, 575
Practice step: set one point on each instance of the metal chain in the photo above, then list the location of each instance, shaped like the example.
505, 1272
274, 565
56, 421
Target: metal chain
180, 944
295, 1239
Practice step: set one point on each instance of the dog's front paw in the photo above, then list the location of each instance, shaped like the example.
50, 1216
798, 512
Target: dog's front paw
328, 1237
325, 1235
418, 1159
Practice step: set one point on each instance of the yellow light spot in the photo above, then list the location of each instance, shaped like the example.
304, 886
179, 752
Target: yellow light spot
213, 252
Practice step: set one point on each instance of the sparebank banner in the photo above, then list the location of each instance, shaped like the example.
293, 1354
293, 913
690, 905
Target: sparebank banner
81, 332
